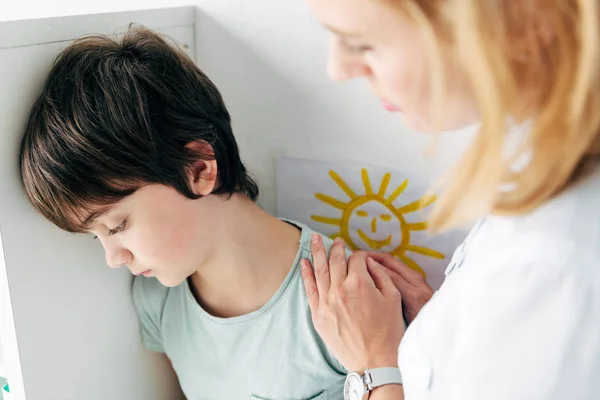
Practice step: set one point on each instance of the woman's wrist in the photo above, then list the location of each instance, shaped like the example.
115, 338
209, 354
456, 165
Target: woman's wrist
381, 360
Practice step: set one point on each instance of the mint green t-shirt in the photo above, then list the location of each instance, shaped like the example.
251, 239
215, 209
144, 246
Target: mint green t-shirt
273, 353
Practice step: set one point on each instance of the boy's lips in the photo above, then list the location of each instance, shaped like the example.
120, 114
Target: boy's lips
145, 273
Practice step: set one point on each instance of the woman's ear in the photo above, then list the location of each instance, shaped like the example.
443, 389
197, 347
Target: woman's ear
202, 173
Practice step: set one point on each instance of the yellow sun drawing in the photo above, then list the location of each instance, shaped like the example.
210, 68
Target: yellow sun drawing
381, 215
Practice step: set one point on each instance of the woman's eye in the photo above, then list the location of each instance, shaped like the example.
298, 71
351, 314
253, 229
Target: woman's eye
358, 49
361, 49
118, 229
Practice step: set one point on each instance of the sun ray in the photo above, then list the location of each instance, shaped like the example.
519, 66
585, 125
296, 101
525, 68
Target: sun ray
417, 205
326, 220
410, 263
397, 192
384, 184
425, 251
340, 182
428, 200
366, 181
417, 226
340, 205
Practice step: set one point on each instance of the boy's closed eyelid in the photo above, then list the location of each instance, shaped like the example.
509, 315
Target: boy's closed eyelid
120, 228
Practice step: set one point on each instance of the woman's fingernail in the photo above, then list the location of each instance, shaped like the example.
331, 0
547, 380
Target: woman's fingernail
338, 240
315, 238
372, 262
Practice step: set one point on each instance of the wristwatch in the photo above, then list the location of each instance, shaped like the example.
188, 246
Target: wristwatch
357, 386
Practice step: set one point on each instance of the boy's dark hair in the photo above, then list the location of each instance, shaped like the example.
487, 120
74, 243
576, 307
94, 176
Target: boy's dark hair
117, 114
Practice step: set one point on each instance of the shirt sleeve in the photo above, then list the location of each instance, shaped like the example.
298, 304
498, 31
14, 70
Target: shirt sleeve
149, 298
533, 334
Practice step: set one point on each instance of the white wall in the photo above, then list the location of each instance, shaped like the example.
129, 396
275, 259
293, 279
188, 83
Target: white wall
74, 327
34, 9
10, 362
268, 59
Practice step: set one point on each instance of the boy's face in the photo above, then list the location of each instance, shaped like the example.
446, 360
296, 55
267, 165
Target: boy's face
158, 232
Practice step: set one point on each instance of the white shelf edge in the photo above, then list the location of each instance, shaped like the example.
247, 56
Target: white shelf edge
31, 32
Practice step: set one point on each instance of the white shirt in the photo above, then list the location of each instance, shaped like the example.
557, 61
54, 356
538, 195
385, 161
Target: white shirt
518, 316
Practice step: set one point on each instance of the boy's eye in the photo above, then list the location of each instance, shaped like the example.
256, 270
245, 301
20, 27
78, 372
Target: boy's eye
118, 229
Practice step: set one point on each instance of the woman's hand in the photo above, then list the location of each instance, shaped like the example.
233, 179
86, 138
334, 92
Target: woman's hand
413, 287
355, 307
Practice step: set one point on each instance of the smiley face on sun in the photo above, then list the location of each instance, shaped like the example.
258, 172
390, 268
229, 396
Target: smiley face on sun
371, 221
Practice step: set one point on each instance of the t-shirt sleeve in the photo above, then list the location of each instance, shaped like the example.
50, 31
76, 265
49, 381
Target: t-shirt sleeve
534, 334
149, 297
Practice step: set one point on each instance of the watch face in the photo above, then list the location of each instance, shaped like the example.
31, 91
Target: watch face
354, 388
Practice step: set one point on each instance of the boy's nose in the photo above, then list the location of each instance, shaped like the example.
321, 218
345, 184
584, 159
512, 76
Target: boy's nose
118, 258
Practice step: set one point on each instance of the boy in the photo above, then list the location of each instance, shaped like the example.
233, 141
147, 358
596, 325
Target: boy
130, 141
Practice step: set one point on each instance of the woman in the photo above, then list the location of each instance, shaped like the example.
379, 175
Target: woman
518, 316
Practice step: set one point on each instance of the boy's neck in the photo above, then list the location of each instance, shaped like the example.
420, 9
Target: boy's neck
255, 252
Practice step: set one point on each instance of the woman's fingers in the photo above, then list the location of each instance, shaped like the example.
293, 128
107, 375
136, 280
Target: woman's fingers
392, 263
401, 284
381, 279
357, 266
310, 285
338, 266
321, 265
415, 294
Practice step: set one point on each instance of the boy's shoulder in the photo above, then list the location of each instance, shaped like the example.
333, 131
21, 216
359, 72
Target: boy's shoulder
305, 239
149, 295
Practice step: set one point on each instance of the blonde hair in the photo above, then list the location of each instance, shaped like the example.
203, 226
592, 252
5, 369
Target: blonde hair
533, 60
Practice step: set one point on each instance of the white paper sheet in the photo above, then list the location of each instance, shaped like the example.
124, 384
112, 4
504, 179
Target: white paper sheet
371, 208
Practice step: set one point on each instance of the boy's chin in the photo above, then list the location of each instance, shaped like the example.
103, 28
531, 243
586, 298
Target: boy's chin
170, 281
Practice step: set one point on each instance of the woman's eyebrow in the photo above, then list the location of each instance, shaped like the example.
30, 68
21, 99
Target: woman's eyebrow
341, 32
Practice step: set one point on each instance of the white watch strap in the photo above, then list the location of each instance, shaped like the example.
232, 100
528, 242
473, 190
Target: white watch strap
382, 376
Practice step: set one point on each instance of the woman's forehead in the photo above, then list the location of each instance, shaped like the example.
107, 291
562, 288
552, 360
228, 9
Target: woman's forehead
348, 17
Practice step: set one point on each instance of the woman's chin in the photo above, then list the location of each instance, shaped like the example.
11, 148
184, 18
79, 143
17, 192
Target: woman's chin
416, 124
422, 126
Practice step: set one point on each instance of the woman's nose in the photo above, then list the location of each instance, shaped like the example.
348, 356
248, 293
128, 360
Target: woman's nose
342, 66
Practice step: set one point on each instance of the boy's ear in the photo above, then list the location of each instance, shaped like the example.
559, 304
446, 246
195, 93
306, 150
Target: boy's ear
202, 174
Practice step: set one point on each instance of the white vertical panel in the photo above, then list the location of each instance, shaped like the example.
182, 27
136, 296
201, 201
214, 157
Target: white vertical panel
74, 323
